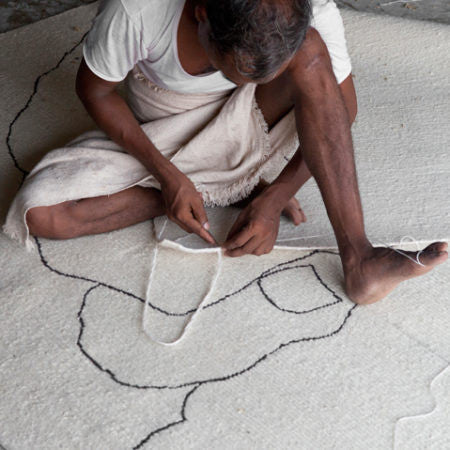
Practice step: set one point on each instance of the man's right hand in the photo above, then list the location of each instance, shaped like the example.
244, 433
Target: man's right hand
184, 205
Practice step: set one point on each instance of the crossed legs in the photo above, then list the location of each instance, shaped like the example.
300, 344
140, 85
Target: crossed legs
111, 212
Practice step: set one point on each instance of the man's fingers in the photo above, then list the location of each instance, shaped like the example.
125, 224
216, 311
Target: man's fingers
199, 213
239, 239
190, 225
237, 225
232, 231
182, 225
197, 228
235, 230
263, 249
250, 246
303, 214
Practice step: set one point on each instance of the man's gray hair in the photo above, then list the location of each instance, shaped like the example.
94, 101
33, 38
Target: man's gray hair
260, 34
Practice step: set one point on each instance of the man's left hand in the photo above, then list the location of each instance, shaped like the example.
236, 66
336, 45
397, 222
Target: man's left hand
256, 228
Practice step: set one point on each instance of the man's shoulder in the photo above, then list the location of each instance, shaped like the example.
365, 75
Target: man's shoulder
147, 8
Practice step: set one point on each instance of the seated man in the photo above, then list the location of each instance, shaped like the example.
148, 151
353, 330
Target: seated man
207, 52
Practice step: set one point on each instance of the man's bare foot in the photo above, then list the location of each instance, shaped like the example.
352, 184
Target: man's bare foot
292, 209
294, 212
379, 272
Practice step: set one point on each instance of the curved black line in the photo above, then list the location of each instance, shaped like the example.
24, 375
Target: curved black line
293, 341
28, 103
199, 382
196, 384
136, 297
154, 307
266, 272
293, 311
312, 253
91, 280
169, 425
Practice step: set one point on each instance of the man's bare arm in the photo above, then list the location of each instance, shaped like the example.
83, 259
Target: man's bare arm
112, 114
326, 144
183, 204
295, 174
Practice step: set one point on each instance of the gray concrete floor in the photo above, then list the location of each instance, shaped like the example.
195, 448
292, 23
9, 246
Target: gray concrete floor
437, 10
16, 13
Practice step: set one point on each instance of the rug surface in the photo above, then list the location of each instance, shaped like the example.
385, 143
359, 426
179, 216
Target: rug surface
279, 357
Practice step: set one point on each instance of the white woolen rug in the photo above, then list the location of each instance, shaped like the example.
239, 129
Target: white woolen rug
279, 358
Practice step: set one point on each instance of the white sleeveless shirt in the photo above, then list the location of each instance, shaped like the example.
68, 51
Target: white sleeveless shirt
126, 33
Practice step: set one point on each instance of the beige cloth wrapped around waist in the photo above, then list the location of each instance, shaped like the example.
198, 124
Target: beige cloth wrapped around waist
219, 140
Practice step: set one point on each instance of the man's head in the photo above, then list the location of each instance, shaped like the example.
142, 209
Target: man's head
250, 40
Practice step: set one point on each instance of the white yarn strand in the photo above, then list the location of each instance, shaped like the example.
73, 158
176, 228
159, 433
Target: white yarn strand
419, 252
399, 1
417, 260
219, 251
173, 245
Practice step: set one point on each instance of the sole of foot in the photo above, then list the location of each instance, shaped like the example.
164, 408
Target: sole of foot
383, 269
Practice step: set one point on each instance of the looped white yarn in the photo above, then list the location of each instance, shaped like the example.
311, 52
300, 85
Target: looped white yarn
219, 251
419, 252
173, 245
417, 260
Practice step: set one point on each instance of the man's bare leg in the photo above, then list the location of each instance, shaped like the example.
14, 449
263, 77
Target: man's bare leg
274, 109
96, 215
327, 150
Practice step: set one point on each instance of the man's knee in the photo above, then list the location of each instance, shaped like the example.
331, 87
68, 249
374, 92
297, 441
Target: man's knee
54, 222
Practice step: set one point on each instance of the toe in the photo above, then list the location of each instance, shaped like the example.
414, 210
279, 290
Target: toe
437, 247
302, 213
432, 257
299, 216
293, 214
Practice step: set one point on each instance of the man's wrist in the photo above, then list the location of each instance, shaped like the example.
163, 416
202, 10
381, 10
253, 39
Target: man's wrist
164, 171
277, 193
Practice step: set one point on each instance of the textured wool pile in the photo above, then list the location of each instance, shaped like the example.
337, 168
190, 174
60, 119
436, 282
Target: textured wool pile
279, 357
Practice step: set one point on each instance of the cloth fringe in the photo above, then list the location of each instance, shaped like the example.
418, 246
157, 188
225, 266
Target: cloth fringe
15, 235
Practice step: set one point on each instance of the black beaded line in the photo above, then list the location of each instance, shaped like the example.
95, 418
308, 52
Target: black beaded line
28, 103
114, 377
198, 383
311, 266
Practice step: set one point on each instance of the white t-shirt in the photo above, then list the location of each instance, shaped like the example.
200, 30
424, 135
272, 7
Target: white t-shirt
143, 32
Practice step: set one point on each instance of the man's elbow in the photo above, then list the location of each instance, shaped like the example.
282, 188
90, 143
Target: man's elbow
81, 83
312, 58
311, 68
314, 76
90, 87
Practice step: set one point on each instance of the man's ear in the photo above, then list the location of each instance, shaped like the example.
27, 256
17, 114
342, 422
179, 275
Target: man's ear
200, 13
